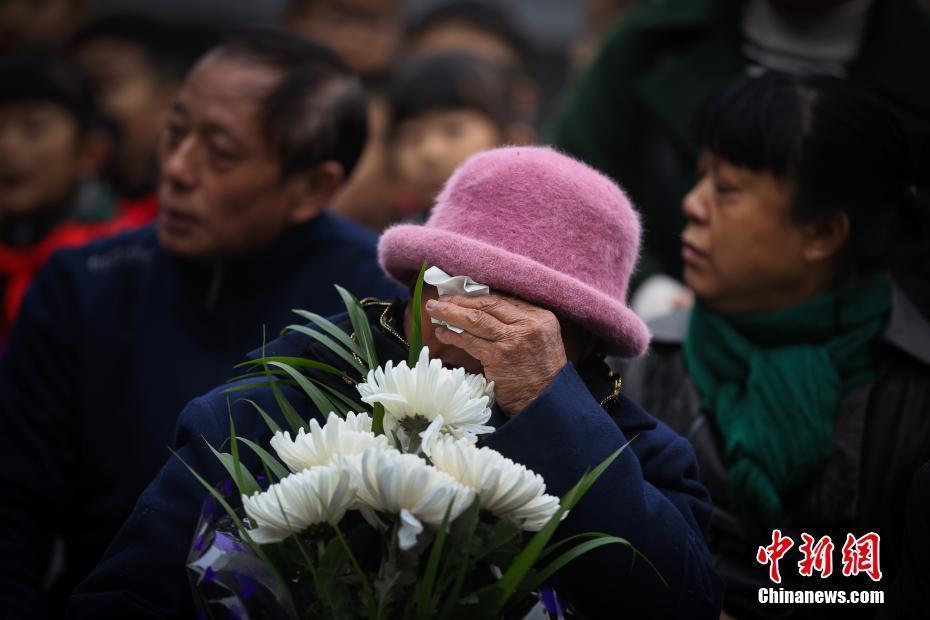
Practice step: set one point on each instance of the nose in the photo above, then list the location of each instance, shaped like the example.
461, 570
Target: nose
432, 147
694, 204
178, 165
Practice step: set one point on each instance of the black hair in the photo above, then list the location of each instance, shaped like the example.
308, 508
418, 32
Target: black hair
47, 77
480, 15
170, 49
448, 81
840, 148
318, 111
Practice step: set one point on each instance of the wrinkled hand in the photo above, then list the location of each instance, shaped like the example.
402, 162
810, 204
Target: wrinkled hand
518, 344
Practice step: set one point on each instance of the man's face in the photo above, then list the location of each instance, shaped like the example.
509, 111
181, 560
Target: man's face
40, 156
129, 92
221, 192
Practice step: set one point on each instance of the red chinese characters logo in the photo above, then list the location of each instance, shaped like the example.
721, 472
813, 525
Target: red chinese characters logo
817, 556
859, 555
773, 553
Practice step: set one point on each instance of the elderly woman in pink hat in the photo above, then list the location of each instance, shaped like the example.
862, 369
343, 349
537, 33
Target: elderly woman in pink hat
555, 242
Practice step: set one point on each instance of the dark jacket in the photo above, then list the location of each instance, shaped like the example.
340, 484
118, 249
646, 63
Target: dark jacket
112, 341
881, 436
629, 113
649, 495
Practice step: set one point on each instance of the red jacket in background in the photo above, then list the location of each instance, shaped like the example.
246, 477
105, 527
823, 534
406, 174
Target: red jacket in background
18, 266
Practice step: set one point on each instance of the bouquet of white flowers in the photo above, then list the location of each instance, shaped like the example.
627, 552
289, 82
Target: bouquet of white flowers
388, 509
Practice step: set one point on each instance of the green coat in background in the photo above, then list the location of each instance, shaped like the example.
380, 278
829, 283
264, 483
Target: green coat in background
629, 113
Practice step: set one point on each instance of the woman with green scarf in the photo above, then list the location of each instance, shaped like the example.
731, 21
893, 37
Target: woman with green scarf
802, 374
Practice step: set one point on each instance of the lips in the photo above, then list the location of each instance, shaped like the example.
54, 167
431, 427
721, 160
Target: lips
690, 253
176, 220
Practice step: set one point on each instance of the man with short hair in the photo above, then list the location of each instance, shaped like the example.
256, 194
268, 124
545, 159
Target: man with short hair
115, 338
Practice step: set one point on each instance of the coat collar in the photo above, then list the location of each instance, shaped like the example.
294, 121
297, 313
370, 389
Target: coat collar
907, 330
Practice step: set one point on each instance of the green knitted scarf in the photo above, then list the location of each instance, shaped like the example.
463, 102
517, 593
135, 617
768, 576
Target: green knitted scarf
773, 383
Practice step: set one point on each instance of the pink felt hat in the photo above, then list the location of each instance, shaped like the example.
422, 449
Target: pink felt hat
539, 225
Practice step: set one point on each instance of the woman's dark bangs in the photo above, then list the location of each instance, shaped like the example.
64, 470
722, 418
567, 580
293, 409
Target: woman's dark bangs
752, 125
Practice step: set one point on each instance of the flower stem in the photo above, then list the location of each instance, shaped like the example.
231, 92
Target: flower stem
366, 586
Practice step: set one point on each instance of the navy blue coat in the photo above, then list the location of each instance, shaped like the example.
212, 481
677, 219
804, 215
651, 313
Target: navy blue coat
112, 341
650, 495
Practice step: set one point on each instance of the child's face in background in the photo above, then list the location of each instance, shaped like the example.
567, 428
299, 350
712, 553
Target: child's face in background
40, 156
429, 147
129, 91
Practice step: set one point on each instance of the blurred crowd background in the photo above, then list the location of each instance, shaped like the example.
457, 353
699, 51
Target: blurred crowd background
86, 86
444, 79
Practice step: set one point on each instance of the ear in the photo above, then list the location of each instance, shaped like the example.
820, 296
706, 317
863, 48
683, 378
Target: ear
95, 152
826, 237
311, 191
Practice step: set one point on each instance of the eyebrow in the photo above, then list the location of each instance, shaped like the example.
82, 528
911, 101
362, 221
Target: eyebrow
210, 127
213, 128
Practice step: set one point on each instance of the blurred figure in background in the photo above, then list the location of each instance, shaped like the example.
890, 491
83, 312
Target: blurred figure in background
628, 113
472, 26
136, 65
802, 374
43, 25
487, 31
444, 108
377, 196
599, 16
114, 338
52, 149
365, 33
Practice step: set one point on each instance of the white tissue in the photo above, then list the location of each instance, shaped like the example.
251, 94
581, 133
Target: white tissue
453, 285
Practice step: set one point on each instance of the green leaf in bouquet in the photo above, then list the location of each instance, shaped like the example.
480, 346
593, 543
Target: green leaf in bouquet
546, 573
301, 363
323, 404
526, 559
252, 375
287, 409
341, 598
377, 419
360, 326
332, 329
500, 539
359, 573
269, 421
245, 482
415, 338
332, 345
424, 591
256, 549
244, 478
271, 463
459, 563
279, 381
350, 403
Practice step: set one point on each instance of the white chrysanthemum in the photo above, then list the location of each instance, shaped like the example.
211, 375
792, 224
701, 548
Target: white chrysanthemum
404, 484
337, 436
452, 401
313, 496
504, 488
